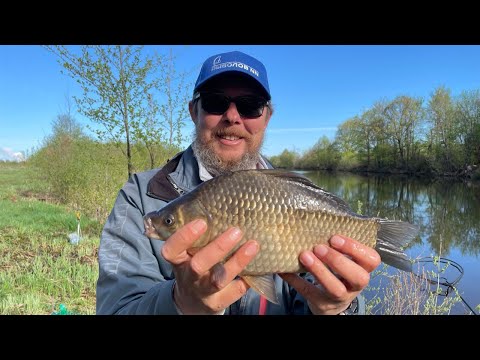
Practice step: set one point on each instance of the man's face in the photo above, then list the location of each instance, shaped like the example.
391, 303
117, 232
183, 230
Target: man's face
231, 137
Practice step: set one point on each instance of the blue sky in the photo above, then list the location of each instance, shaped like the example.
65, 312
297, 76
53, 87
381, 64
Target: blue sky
314, 87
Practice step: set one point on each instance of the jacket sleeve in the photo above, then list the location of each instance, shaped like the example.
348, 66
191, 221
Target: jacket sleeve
298, 303
132, 280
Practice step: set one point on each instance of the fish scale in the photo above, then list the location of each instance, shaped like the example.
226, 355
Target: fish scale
279, 224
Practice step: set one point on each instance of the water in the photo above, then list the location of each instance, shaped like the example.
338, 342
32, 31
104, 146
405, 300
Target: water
446, 211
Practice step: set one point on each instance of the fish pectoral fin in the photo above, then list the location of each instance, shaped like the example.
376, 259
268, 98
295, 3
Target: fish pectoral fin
264, 285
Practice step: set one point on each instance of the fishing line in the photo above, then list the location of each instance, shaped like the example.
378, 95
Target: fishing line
442, 280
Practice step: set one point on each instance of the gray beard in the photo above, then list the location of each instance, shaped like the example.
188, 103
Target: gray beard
216, 166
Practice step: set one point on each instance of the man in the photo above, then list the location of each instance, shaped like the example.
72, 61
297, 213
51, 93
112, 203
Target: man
231, 108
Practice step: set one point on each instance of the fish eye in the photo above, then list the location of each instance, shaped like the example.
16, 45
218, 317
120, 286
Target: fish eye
169, 220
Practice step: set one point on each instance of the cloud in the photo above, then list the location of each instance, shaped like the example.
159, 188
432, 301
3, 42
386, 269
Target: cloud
302, 129
7, 154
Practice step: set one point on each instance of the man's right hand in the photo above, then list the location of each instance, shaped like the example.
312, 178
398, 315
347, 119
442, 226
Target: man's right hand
203, 284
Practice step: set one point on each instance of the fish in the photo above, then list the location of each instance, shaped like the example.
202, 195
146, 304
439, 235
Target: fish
286, 213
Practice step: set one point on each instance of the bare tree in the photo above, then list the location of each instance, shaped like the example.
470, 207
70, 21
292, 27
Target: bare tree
176, 94
65, 123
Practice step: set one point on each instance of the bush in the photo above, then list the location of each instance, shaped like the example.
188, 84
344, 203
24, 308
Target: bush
87, 174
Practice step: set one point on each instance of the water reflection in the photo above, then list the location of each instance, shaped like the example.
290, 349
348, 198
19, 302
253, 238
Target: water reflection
446, 211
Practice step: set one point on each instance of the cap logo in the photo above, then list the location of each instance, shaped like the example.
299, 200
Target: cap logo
217, 60
217, 65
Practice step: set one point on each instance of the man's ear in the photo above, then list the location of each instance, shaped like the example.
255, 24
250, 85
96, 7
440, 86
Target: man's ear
193, 111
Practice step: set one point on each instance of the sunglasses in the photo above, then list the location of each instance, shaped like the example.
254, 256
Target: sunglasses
248, 106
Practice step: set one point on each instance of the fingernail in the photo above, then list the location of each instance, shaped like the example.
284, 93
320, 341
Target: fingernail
235, 234
307, 259
320, 250
198, 226
337, 241
251, 248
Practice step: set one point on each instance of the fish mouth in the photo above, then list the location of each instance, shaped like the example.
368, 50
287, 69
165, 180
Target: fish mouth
150, 230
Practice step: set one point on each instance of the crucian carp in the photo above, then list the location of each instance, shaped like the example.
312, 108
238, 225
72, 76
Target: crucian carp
285, 213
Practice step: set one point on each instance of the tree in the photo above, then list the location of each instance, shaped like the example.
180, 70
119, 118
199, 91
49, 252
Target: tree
166, 112
442, 132
287, 159
65, 124
322, 155
115, 81
176, 93
402, 119
467, 115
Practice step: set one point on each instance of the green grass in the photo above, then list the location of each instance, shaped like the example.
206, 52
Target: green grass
18, 179
39, 268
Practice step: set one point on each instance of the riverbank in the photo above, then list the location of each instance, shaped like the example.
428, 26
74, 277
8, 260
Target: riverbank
469, 174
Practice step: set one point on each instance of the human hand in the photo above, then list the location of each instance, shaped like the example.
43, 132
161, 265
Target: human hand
203, 284
335, 292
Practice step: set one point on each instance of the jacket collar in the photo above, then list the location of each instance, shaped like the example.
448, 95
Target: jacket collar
179, 175
160, 186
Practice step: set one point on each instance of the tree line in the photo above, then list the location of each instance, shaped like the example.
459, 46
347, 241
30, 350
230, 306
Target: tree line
440, 136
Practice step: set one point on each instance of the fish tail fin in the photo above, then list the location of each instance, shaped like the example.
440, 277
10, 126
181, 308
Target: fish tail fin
392, 237
264, 285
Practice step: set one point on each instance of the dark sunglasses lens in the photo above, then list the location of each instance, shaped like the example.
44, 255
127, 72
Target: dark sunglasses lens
215, 104
250, 106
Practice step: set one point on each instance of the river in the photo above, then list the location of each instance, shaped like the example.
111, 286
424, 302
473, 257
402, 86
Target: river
448, 214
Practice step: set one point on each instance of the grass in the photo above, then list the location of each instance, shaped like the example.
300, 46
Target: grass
39, 268
404, 293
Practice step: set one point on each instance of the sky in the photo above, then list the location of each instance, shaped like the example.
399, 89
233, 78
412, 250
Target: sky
314, 87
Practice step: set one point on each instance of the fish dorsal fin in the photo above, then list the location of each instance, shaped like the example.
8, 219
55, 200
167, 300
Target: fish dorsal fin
290, 175
307, 183
264, 285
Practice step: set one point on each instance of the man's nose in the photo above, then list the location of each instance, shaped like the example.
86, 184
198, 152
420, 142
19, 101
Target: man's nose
232, 115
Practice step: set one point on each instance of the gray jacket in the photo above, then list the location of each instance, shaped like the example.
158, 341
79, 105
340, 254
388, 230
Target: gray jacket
134, 278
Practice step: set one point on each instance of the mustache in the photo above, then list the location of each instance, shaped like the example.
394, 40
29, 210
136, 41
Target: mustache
225, 132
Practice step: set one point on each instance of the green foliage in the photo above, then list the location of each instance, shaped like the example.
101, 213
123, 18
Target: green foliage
39, 267
287, 159
436, 303
323, 155
122, 88
349, 161
86, 174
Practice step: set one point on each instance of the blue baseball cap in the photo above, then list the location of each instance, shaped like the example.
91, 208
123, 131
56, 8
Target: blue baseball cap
234, 61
